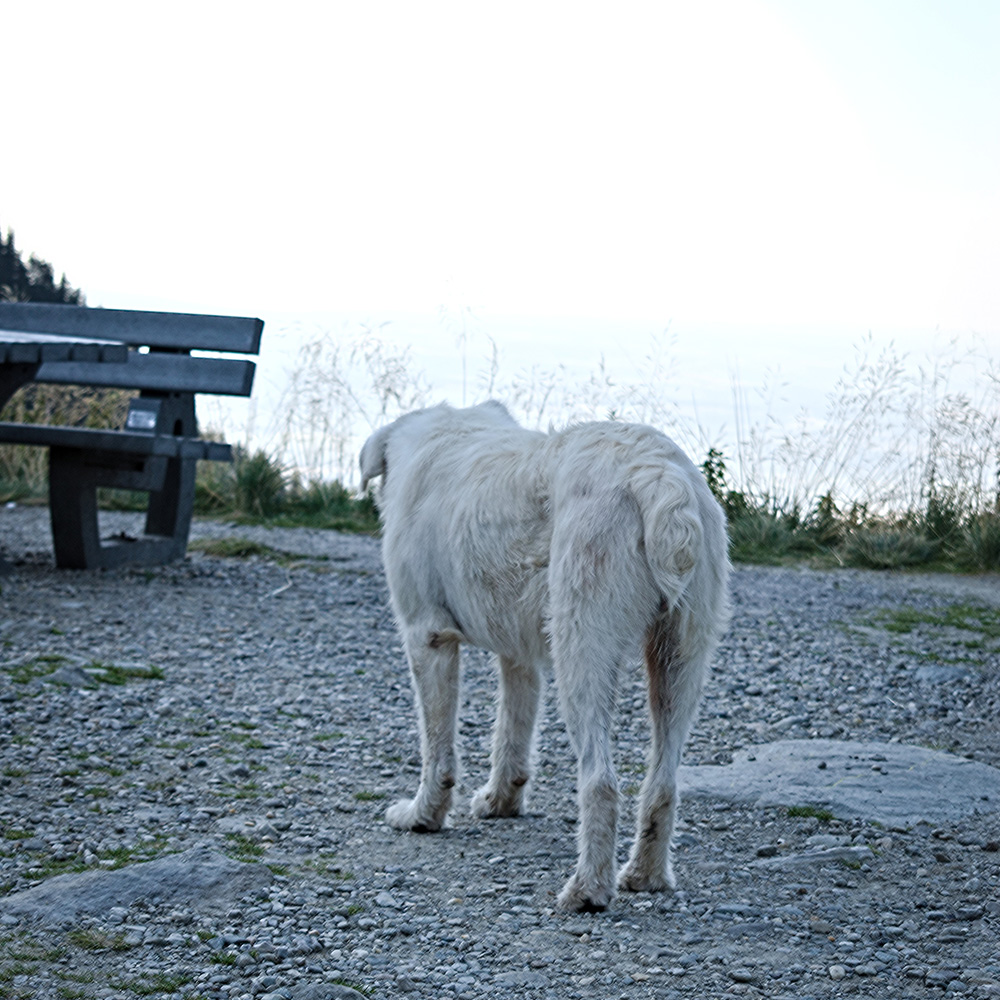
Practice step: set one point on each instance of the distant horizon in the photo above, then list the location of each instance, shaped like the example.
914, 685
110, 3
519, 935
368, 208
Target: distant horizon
714, 392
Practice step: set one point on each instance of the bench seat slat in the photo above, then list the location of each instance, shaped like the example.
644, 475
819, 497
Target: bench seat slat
157, 371
122, 442
183, 331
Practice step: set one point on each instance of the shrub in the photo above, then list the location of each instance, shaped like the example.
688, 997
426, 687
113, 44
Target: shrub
979, 547
889, 548
762, 536
258, 484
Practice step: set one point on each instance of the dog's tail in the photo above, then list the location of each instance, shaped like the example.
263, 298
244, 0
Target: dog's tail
683, 529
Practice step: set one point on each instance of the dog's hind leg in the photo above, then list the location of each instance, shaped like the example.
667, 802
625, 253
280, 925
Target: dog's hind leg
601, 596
676, 669
513, 740
586, 694
434, 664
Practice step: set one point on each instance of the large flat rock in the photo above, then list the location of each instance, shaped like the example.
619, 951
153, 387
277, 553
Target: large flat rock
892, 783
198, 877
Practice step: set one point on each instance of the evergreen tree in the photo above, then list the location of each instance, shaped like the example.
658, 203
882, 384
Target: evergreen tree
34, 281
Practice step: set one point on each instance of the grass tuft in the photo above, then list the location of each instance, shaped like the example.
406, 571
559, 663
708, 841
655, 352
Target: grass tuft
807, 812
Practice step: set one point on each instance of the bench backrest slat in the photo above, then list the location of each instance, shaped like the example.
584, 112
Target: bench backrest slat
181, 331
18, 348
159, 372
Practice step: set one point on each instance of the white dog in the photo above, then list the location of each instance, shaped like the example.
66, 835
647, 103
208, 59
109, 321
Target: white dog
575, 548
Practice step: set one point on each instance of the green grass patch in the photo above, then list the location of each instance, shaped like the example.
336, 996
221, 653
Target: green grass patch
368, 991
72, 992
237, 548
70, 976
119, 857
109, 673
808, 812
243, 848
152, 984
325, 864
92, 939
968, 617
27, 949
8, 972
229, 790
364, 796
34, 669
246, 740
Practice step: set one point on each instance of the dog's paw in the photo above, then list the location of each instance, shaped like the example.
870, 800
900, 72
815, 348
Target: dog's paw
581, 897
406, 815
488, 803
633, 879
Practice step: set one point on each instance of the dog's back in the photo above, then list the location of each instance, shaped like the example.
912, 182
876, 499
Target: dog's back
470, 501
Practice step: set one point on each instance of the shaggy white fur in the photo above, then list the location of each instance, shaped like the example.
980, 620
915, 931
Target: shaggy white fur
577, 549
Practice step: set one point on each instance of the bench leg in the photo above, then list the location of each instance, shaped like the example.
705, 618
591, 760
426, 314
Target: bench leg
75, 475
170, 509
73, 510
171, 506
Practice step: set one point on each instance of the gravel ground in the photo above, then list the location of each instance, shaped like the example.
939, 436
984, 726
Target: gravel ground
259, 707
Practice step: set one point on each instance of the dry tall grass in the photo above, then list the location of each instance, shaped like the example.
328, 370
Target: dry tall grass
901, 464
24, 470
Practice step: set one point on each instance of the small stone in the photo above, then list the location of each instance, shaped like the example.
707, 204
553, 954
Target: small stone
530, 980
940, 977
837, 972
822, 841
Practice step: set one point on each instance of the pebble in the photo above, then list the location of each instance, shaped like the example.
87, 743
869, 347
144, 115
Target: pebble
283, 725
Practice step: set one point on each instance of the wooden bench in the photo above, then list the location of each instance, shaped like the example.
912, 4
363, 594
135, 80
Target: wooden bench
158, 448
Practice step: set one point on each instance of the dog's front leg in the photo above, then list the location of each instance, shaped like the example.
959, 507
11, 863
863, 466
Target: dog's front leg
434, 665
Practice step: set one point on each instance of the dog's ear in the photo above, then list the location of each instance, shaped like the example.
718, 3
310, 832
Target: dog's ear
373, 456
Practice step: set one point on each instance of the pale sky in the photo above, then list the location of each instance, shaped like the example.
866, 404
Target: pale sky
746, 161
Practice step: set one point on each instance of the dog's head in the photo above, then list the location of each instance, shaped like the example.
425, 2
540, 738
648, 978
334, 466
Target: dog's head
413, 428
372, 460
